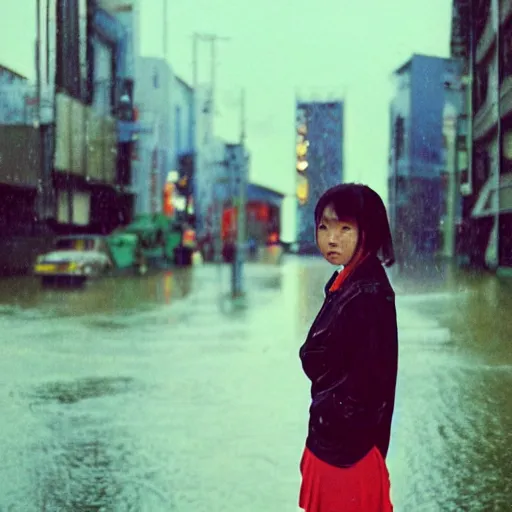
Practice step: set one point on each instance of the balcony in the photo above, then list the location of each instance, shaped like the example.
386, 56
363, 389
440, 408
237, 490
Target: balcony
506, 193
486, 119
505, 10
506, 96
486, 40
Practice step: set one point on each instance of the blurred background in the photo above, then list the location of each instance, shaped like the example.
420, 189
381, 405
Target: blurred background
160, 162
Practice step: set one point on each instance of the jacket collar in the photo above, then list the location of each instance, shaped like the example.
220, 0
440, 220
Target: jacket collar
369, 271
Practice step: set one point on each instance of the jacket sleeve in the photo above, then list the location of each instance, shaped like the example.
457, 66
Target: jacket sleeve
362, 380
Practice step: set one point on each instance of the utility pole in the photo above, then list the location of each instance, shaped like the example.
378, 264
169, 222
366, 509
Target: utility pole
41, 193
38, 62
212, 39
161, 159
47, 41
208, 109
496, 6
452, 137
213, 75
241, 181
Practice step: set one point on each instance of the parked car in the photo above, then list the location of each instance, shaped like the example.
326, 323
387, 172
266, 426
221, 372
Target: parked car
74, 260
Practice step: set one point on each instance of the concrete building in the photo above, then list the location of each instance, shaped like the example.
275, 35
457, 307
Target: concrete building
182, 199
319, 160
426, 99
127, 15
154, 147
164, 149
88, 72
481, 40
59, 140
263, 213
21, 150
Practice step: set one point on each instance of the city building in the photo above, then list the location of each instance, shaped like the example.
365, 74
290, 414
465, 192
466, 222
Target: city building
427, 100
481, 40
182, 185
126, 13
154, 146
319, 161
21, 150
164, 151
263, 214
59, 140
220, 184
87, 70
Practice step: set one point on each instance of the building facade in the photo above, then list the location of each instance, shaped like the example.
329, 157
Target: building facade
182, 198
426, 98
59, 141
319, 161
87, 70
263, 212
481, 40
126, 13
21, 150
153, 151
164, 151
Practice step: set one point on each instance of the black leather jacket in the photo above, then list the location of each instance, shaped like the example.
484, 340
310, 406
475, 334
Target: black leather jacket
351, 357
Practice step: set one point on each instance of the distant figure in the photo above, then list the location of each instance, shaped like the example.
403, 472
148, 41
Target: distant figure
229, 249
253, 248
350, 355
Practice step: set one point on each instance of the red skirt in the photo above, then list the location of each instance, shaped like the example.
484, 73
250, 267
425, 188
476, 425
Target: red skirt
363, 487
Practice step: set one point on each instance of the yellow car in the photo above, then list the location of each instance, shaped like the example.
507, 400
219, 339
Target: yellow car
74, 260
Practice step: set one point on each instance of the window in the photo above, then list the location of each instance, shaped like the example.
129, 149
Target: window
399, 136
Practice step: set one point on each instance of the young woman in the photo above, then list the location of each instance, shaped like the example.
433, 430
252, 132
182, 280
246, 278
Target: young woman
350, 355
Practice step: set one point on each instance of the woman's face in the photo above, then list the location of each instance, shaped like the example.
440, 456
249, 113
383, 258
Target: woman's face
337, 238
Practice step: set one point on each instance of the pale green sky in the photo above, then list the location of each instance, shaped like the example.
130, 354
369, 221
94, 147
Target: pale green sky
343, 46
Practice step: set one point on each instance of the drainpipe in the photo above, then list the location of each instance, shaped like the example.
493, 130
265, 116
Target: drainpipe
496, 7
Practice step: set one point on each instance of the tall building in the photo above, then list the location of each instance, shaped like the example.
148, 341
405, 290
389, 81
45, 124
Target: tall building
481, 40
153, 149
88, 67
426, 97
319, 161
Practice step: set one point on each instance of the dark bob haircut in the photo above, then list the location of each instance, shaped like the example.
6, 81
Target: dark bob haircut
359, 202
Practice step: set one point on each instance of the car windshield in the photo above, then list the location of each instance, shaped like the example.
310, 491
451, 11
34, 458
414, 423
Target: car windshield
75, 244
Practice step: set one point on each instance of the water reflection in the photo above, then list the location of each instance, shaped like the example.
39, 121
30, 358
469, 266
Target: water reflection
454, 420
152, 390
110, 295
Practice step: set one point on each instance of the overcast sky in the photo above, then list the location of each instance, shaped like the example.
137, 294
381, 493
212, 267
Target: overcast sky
340, 47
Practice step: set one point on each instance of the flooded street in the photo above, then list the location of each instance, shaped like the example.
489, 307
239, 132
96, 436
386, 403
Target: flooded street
151, 394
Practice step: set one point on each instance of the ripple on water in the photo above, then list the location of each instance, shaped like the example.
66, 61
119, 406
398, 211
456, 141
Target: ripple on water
69, 392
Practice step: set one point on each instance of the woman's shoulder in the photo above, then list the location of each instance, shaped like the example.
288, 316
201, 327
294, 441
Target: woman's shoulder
371, 279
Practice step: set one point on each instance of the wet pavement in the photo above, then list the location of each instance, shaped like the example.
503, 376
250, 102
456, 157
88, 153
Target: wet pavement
152, 394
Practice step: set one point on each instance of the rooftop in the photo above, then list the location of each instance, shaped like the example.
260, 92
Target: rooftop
12, 72
416, 56
184, 83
